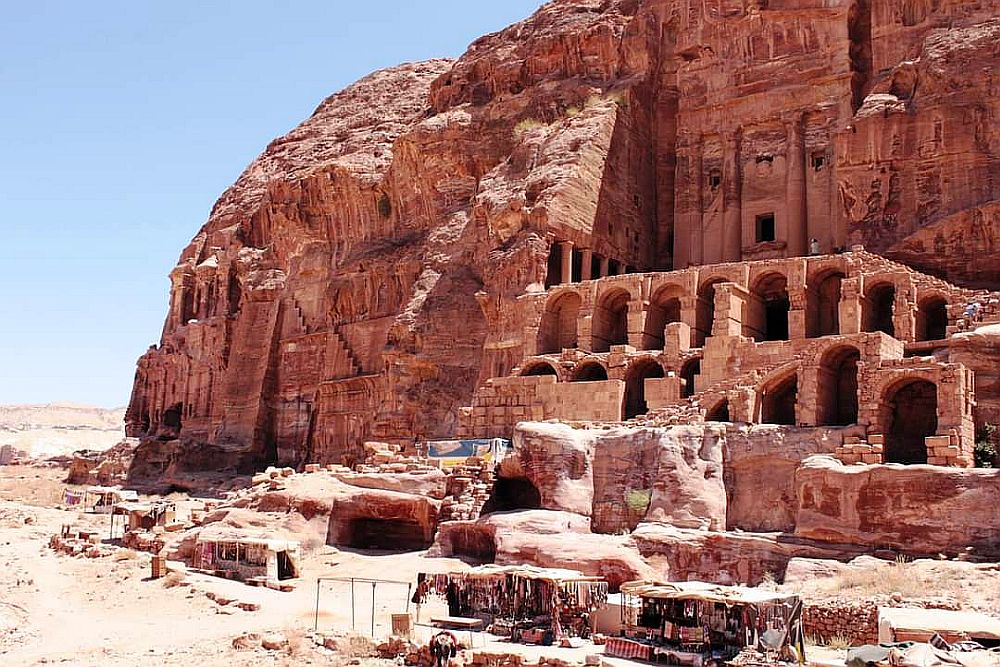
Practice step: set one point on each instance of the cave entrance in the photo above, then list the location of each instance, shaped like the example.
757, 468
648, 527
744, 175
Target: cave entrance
909, 414
932, 319
635, 386
778, 403
386, 535
476, 545
610, 321
879, 307
511, 494
837, 403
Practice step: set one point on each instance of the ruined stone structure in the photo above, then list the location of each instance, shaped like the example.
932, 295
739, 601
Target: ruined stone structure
828, 340
676, 159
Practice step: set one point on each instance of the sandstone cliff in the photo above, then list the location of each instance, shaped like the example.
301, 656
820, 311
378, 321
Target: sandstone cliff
361, 276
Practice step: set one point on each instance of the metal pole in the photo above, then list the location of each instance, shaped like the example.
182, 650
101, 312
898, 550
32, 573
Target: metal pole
316, 617
409, 588
373, 609
352, 603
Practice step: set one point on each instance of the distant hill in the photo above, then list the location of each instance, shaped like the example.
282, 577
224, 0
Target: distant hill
60, 428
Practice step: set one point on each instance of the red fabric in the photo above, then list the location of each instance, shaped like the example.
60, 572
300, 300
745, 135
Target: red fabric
621, 647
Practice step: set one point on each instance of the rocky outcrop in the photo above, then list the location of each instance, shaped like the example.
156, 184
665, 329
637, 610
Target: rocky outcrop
917, 509
620, 477
362, 275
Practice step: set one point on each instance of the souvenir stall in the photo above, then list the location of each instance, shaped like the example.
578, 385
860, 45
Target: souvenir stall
527, 604
693, 623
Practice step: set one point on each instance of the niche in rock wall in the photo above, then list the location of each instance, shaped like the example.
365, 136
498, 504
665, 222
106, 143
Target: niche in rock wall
859, 32
477, 545
511, 494
386, 535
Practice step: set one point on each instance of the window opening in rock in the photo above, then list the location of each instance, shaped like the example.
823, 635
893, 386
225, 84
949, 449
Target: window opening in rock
765, 228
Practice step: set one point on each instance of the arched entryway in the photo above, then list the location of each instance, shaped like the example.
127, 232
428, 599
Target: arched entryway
705, 311
557, 330
590, 371
824, 306
769, 320
635, 386
909, 414
172, 418
664, 308
719, 413
932, 319
690, 369
539, 368
879, 307
610, 322
837, 402
778, 401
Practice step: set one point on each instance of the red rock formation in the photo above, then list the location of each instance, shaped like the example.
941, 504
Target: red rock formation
361, 277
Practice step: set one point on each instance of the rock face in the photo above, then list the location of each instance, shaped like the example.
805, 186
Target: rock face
361, 277
918, 509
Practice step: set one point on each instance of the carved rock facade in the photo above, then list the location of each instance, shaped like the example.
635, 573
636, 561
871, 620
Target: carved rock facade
366, 273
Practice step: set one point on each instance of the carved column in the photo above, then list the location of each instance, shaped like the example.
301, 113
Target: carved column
566, 262
636, 322
587, 260
797, 313
730, 299
732, 242
697, 217
689, 316
603, 268
850, 306
795, 187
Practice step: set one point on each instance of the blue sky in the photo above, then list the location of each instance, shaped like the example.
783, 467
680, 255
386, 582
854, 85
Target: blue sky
120, 125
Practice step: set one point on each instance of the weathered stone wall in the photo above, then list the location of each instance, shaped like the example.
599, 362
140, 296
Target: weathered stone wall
914, 509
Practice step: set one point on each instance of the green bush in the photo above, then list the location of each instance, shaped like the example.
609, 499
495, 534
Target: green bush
638, 500
986, 447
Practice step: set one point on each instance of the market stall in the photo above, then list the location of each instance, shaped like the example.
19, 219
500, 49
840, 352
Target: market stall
528, 604
694, 623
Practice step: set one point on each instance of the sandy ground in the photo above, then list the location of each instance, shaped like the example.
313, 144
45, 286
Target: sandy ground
109, 612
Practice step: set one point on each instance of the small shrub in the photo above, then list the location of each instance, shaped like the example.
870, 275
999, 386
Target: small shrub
526, 126
986, 451
174, 579
838, 642
573, 111
638, 500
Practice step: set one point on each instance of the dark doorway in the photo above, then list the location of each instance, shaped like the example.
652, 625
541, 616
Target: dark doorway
909, 416
772, 304
879, 308
635, 386
477, 545
778, 404
610, 322
513, 493
557, 329
837, 403
286, 569
720, 413
553, 267
590, 372
172, 419
705, 316
688, 373
387, 535
663, 310
539, 368
824, 311
932, 319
